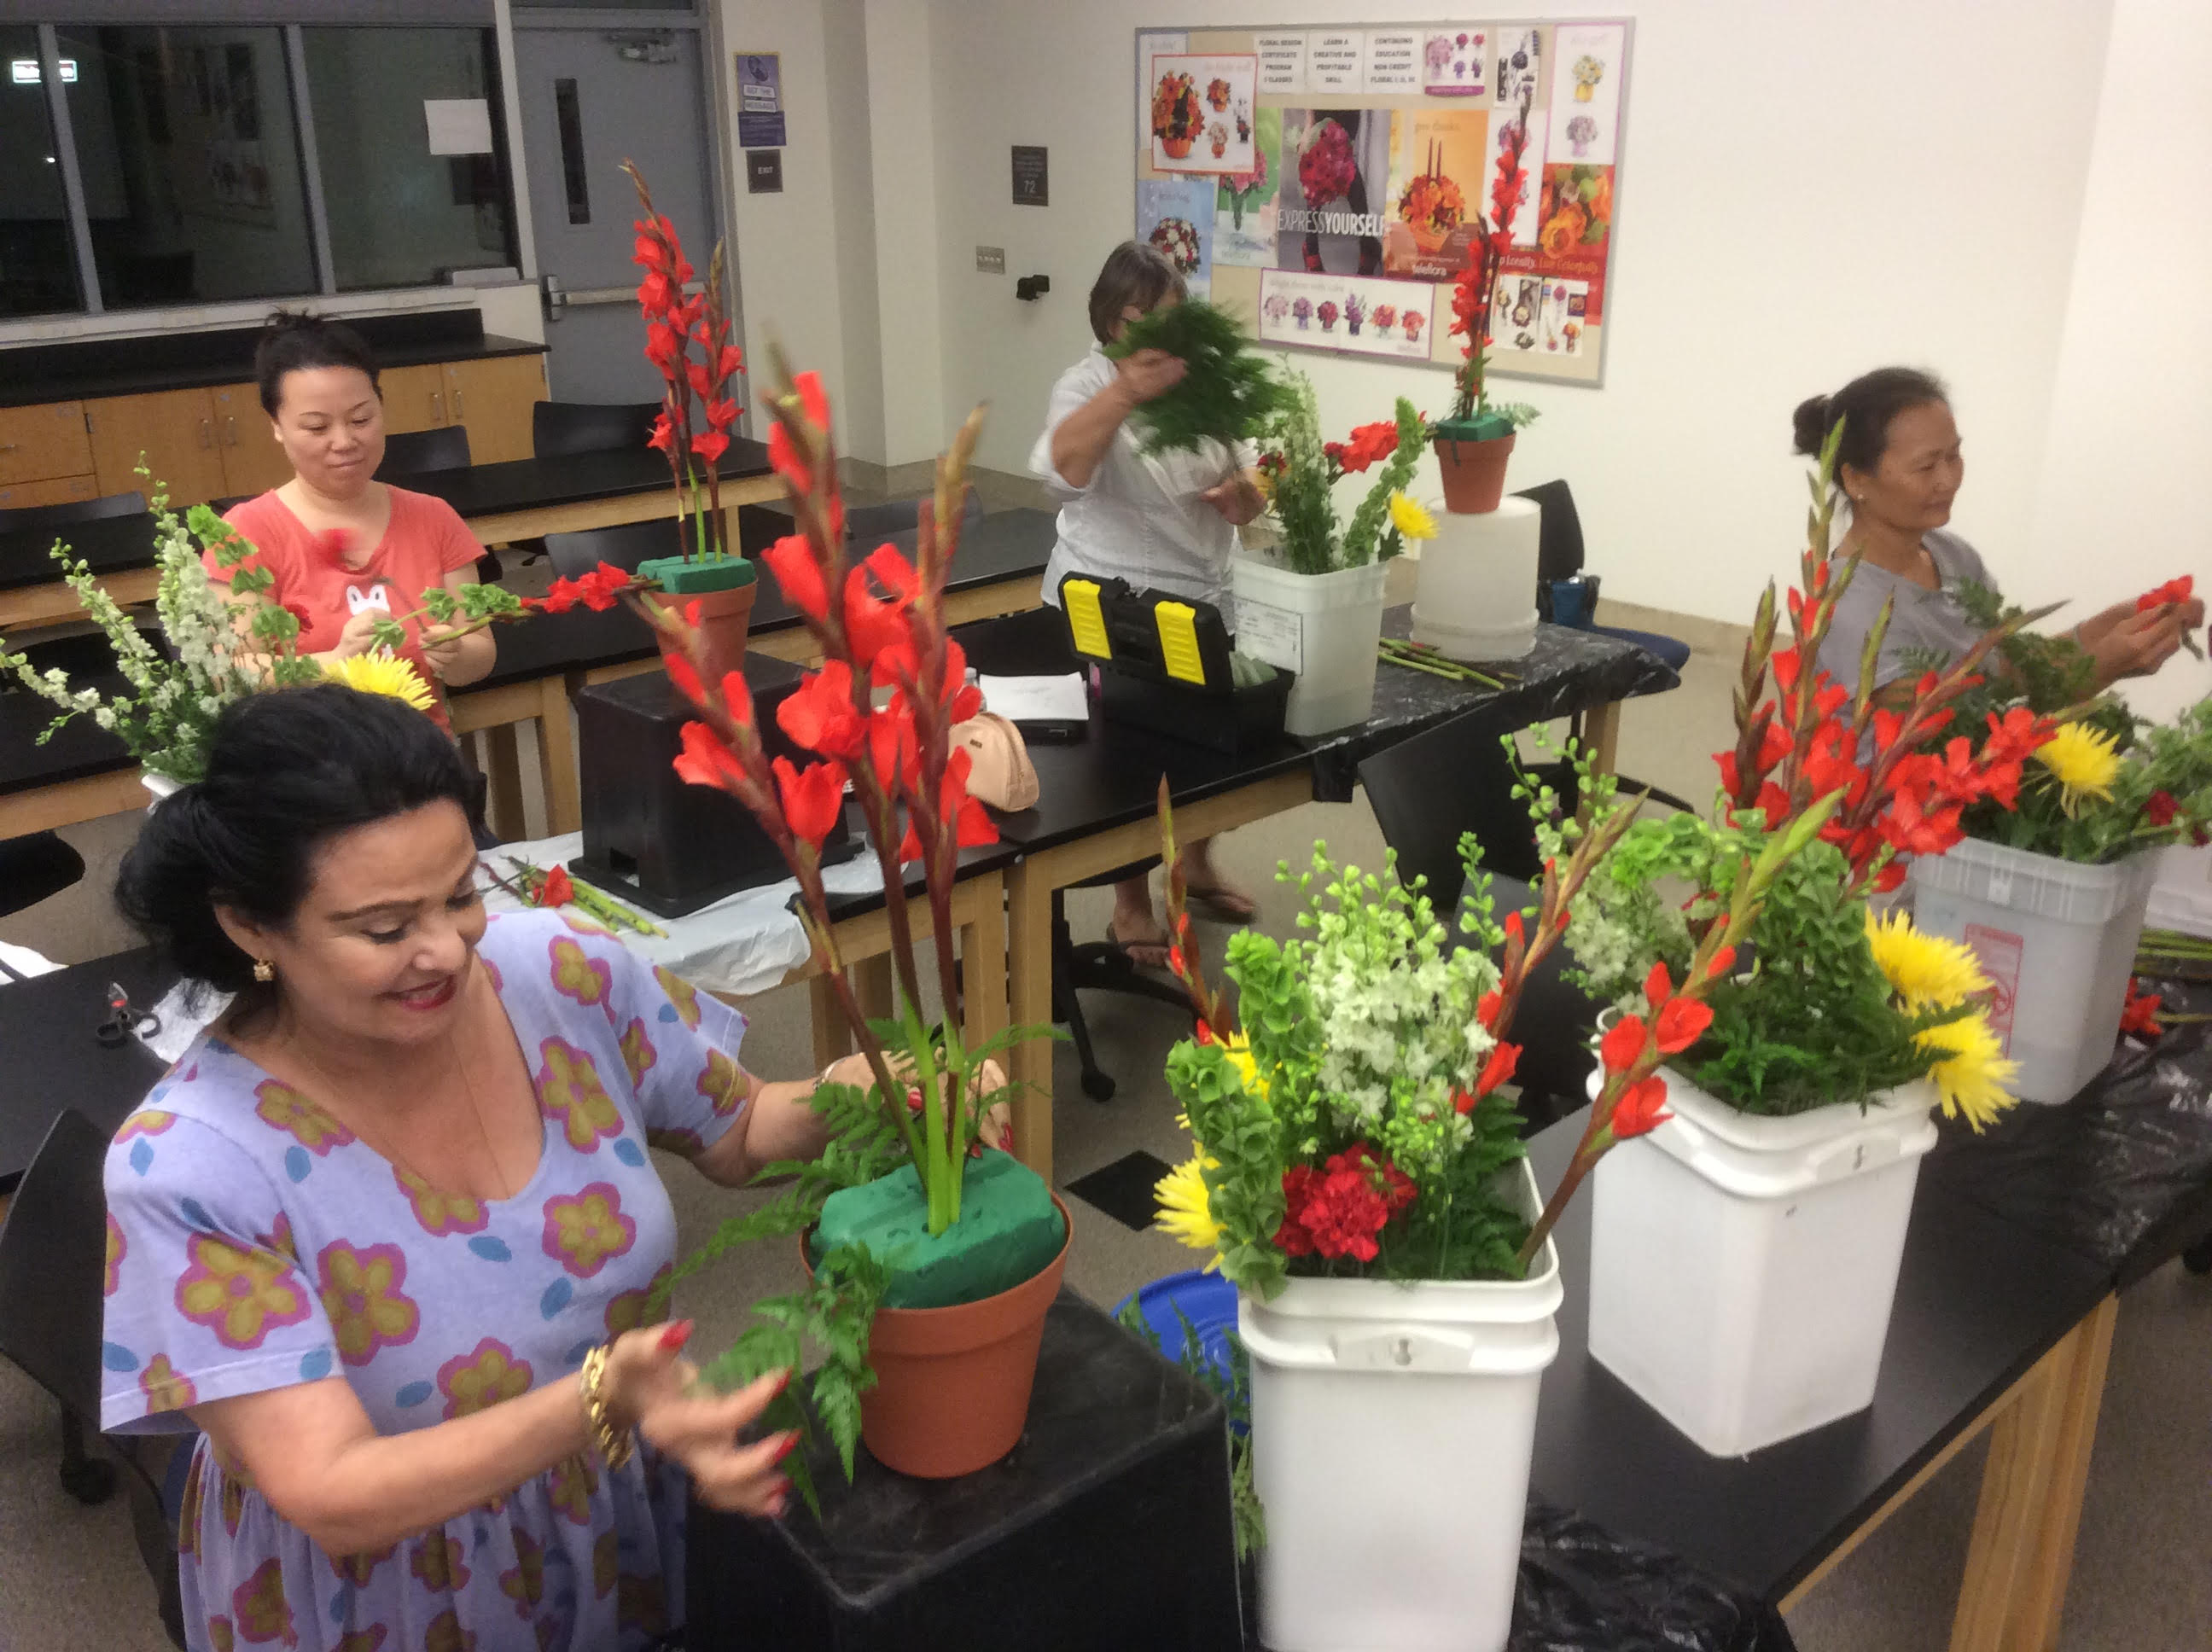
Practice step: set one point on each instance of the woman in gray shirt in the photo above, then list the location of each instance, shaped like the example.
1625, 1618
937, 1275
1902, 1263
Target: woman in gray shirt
1900, 468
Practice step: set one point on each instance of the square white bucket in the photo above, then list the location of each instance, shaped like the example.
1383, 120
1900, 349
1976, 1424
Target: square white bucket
1325, 629
1392, 1429
1742, 1268
2058, 940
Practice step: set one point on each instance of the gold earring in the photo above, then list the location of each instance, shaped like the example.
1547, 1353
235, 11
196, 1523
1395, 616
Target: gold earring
263, 971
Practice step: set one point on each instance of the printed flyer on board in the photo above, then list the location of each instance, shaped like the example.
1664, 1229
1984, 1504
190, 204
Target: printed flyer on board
1347, 313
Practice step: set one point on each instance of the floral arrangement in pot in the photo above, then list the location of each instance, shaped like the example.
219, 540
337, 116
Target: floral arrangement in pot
1177, 119
1432, 205
1302, 312
1326, 313
1355, 312
1327, 167
2052, 893
1473, 445
1176, 239
916, 1232
676, 325
1242, 189
1800, 1107
1386, 317
1412, 321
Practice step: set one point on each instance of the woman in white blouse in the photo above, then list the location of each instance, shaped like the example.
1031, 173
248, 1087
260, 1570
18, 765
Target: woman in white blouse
1165, 521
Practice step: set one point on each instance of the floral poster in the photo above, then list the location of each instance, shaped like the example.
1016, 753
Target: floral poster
1244, 202
1437, 183
1356, 314
1455, 62
1335, 184
1201, 110
1176, 215
1575, 214
1519, 67
1586, 73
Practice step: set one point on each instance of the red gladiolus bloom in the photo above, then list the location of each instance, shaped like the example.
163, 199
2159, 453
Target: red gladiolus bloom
791, 559
560, 596
1498, 1068
893, 573
664, 434
2140, 1015
813, 398
710, 446
1658, 986
729, 363
2160, 807
891, 749
1202, 1033
784, 458
1682, 1023
701, 382
970, 821
1641, 1109
721, 413
813, 798
686, 679
1462, 1102
1623, 1044
555, 889
1723, 960
603, 586
819, 717
705, 760
2172, 592
871, 625
1513, 928
664, 346
654, 293
1486, 1011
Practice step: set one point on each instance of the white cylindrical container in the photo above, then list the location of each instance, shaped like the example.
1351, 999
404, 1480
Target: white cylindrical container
1476, 597
1392, 1429
1324, 628
2058, 940
160, 786
1742, 1267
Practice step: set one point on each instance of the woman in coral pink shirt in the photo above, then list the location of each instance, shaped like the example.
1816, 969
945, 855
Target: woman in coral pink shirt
348, 550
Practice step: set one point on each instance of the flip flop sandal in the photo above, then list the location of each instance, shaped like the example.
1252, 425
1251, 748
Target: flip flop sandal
1223, 905
1130, 950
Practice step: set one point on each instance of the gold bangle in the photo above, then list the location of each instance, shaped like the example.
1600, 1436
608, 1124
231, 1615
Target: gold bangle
614, 1444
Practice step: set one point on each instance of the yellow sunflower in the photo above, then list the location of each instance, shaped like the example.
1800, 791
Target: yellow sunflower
1186, 1212
1410, 520
1248, 1071
1926, 971
2084, 762
381, 671
1973, 1075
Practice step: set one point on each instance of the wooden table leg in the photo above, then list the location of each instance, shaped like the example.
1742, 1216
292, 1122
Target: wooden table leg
1029, 940
2035, 1623
2013, 1521
556, 759
1602, 736
503, 768
983, 961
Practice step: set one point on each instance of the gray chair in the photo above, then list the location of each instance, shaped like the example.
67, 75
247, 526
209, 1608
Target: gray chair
410, 452
575, 554
561, 428
36, 518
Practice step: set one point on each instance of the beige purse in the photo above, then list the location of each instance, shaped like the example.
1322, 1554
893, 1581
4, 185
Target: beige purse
1000, 773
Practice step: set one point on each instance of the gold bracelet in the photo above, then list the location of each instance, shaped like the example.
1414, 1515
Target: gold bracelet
614, 1444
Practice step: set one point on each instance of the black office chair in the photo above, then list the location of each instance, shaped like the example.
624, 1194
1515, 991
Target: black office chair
225, 506
53, 1248
35, 518
1036, 644
410, 452
34, 867
575, 554
558, 428
1427, 790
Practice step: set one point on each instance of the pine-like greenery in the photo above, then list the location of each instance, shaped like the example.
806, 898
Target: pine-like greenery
1228, 394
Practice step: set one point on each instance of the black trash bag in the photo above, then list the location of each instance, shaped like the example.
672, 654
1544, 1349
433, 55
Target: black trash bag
1584, 1590
2123, 1173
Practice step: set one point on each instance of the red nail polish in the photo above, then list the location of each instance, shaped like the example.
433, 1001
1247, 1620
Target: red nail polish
783, 1381
676, 1336
790, 1441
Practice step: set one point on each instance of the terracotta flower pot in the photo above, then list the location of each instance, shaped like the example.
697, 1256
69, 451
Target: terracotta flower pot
1177, 148
1473, 472
724, 616
952, 1384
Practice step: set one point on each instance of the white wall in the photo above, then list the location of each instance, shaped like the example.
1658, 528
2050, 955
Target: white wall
1807, 191
2119, 506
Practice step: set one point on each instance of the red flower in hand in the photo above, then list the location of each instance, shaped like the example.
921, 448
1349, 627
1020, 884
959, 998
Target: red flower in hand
819, 717
813, 798
2172, 593
554, 890
1641, 1109
791, 559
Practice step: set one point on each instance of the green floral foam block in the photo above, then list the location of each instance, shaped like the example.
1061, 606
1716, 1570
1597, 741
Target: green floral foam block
681, 577
1008, 1231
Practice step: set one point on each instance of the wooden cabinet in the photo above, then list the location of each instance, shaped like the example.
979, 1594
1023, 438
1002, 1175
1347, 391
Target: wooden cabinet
252, 463
492, 398
40, 443
174, 429
55, 490
414, 397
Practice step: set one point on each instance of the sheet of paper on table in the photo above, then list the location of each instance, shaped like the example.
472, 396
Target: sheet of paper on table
1037, 699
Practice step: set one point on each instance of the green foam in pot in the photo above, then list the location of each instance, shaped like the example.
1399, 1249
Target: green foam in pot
1009, 1231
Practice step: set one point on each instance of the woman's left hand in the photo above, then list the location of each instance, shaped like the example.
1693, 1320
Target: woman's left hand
1238, 499
441, 648
995, 1129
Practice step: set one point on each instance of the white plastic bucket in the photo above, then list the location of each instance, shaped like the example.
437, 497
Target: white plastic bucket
1742, 1268
1324, 628
2057, 938
1476, 597
160, 786
2181, 891
1391, 1427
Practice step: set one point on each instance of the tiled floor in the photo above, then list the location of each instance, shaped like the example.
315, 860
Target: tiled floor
69, 1578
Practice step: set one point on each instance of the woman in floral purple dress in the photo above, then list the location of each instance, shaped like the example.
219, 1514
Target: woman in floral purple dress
366, 1232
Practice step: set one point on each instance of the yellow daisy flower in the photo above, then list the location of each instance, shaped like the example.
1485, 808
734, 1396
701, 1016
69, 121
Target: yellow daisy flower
381, 671
1248, 1071
1186, 1212
1410, 520
1973, 1075
1926, 971
2084, 762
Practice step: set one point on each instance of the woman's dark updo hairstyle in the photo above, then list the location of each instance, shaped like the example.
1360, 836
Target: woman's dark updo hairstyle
286, 770
1133, 275
1866, 406
292, 342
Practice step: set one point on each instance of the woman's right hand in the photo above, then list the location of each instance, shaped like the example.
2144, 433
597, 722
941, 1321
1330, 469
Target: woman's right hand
2136, 644
359, 634
651, 1385
1143, 374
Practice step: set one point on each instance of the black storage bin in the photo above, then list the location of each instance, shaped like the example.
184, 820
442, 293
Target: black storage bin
1107, 1530
1243, 719
650, 837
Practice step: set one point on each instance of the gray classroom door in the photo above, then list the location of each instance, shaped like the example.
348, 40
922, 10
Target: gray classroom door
591, 99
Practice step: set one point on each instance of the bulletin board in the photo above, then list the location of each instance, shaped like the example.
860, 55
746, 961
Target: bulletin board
1323, 183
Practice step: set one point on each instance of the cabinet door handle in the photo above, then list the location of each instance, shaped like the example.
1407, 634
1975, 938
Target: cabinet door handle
7, 446
207, 433
457, 401
438, 406
230, 431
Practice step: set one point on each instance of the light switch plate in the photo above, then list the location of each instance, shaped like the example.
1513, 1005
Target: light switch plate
991, 260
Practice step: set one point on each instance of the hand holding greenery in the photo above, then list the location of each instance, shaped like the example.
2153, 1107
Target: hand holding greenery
1227, 394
